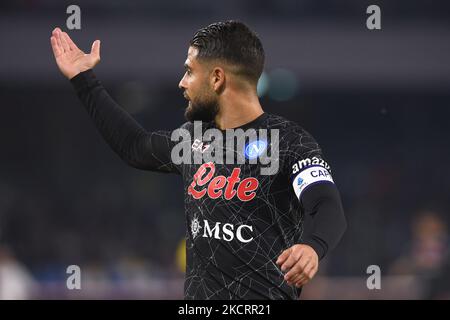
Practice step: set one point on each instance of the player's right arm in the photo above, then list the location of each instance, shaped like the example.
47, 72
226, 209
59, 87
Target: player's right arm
136, 146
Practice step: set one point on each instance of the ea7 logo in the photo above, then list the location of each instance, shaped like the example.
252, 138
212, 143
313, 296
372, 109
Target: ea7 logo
199, 146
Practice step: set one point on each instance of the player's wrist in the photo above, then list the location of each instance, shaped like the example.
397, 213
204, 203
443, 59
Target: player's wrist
72, 75
315, 246
83, 80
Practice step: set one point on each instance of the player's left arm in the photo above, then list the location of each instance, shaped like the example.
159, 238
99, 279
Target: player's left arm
301, 261
321, 202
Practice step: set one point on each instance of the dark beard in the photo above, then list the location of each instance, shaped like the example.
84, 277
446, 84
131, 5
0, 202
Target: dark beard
204, 111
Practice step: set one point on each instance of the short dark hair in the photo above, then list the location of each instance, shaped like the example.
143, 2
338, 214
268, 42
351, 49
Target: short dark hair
233, 42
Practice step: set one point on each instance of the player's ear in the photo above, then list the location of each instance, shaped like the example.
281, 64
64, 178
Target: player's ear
218, 79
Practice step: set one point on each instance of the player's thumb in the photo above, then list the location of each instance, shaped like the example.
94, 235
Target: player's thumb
95, 50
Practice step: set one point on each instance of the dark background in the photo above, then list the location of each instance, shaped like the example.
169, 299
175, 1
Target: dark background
377, 102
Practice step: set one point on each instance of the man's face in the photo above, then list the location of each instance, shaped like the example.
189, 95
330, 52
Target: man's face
203, 100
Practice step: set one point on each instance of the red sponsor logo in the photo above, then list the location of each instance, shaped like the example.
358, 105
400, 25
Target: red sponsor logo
204, 183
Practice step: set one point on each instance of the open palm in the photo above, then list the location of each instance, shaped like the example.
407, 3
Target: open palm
69, 58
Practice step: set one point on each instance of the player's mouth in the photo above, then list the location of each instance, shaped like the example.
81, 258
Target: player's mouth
189, 100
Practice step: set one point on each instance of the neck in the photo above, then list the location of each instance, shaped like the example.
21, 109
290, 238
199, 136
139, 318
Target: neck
237, 109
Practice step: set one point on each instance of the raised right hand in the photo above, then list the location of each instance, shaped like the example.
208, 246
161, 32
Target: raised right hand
71, 60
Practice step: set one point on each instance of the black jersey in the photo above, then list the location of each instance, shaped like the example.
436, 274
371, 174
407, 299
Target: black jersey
238, 219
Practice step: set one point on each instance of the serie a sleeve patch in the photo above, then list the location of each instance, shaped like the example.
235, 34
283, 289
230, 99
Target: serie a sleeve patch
309, 176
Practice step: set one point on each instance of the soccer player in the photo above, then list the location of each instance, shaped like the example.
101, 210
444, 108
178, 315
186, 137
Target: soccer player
246, 236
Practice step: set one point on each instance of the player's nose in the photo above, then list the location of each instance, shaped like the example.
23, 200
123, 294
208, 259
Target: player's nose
181, 84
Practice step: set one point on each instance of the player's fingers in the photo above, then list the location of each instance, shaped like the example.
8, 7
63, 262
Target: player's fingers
64, 43
292, 260
308, 273
311, 270
301, 282
298, 268
95, 50
296, 279
69, 41
299, 278
56, 50
57, 35
56, 31
304, 261
283, 256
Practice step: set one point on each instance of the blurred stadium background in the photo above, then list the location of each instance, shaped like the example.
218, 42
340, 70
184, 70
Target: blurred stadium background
377, 102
